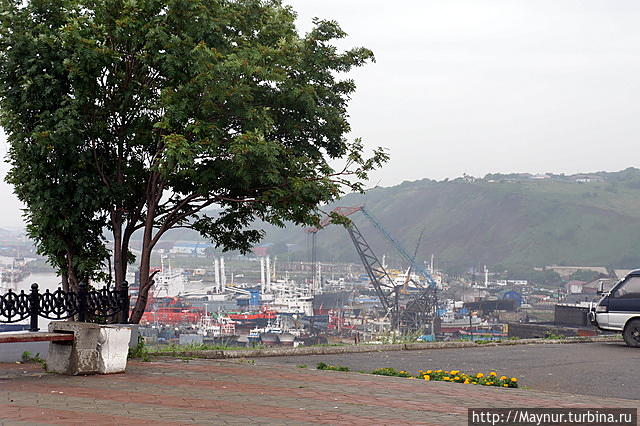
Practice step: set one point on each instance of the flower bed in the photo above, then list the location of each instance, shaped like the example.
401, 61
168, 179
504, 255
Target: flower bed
453, 376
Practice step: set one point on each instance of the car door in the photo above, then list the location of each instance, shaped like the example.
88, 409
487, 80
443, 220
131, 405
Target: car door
624, 302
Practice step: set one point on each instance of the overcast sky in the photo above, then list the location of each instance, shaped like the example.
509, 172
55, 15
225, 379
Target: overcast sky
483, 86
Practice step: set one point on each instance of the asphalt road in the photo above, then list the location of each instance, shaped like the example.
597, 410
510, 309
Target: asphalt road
601, 369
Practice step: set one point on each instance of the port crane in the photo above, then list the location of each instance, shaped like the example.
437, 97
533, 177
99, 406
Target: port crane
420, 310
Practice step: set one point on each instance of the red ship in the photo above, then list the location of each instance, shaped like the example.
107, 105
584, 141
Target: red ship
173, 313
248, 316
253, 319
173, 316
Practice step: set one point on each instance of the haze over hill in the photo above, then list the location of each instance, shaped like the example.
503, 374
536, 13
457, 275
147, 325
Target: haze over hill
499, 220
519, 219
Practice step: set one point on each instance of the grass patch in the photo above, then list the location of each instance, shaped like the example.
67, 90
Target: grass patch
323, 366
139, 351
195, 347
388, 371
27, 358
553, 336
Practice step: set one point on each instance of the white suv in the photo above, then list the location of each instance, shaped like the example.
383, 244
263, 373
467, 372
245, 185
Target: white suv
619, 309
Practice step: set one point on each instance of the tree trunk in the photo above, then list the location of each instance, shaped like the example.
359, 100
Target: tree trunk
145, 261
116, 222
145, 284
126, 239
72, 278
65, 281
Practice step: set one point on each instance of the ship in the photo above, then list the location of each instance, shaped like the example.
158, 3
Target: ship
252, 319
452, 323
168, 282
13, 275
216, 327
293, 304
171, 311
171, 316
323, 303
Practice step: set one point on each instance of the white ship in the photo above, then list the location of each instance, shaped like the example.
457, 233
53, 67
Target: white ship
293, 304
216, 327
449, 319
289, 298
168, 282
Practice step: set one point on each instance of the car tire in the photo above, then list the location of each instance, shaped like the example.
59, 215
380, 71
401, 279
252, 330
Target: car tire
631, 333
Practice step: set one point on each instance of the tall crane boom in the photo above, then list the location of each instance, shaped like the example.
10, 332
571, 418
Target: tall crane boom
376, 272
416, 266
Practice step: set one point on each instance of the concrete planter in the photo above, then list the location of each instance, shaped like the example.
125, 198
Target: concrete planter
113, 348
95, 349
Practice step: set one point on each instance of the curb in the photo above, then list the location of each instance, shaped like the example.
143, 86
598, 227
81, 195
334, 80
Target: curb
329, 350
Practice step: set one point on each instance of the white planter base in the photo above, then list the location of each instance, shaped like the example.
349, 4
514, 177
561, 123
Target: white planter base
113, 348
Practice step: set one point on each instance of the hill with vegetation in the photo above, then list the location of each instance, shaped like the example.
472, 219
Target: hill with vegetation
499, 220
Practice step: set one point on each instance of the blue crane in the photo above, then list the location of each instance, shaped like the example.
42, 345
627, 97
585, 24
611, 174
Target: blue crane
416, 266
422, 308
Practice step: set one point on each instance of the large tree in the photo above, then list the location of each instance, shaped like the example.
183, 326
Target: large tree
150, 114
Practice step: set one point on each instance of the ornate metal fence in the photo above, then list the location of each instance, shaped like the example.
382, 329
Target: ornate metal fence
86, 304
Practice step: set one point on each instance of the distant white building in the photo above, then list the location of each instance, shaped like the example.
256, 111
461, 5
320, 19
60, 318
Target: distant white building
197, 249
574, 287
511, 282
588, 178
540, 177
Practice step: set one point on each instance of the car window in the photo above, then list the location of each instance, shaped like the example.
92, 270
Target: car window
629, 289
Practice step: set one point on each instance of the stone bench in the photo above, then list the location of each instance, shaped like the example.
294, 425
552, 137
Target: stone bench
30, 336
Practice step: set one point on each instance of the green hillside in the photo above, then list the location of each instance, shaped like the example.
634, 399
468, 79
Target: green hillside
501, 219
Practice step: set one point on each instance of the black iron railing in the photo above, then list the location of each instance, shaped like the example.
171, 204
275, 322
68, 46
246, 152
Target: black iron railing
86, 305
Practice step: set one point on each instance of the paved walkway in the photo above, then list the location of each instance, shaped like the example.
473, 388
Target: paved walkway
599, 369
235, 392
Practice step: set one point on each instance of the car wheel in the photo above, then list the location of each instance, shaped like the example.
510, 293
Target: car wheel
631, 333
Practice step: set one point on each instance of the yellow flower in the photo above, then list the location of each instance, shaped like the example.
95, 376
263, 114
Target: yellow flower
438, 371
513, 379
427, 377
456, 378
505, 385
479, 375
429, 371
403, 372
454, 372
493, 373
503, 378
466, 382
446, 378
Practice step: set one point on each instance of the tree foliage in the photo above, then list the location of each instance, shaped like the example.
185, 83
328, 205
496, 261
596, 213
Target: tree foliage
146, 114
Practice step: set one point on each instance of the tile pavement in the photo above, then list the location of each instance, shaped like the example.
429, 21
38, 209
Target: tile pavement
238, 392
